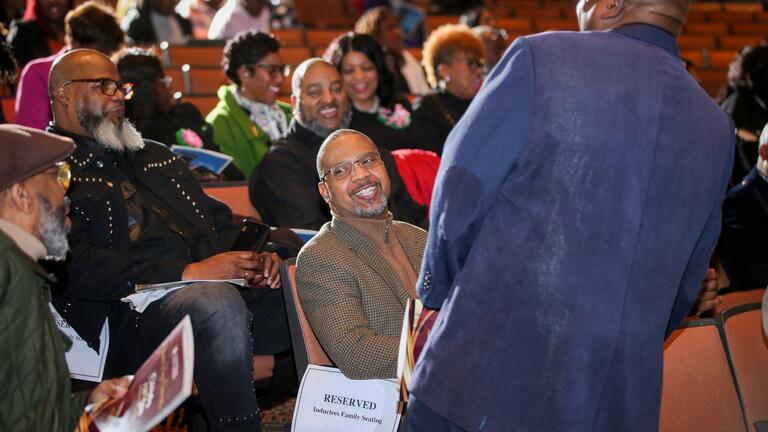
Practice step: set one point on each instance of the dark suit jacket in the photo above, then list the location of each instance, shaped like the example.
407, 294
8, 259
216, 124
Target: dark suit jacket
100, 269
576, 207
743, 247
353, 299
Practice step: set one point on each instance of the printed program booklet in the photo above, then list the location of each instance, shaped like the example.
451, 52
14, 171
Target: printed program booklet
214, 162
162, 383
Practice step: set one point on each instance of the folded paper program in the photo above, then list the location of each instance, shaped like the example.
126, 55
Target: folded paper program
147, 293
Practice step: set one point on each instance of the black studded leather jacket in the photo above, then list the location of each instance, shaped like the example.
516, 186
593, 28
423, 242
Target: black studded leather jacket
112, 248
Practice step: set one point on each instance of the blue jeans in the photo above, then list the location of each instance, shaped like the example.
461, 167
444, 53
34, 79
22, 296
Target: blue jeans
222, 324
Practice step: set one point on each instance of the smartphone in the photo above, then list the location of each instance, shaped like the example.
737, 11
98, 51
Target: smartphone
252, 236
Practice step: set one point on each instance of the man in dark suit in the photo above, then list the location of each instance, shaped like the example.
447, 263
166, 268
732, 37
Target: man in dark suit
743, 247
576, 207
138, 217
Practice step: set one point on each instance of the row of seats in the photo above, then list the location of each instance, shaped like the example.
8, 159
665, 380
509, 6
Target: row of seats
716, 369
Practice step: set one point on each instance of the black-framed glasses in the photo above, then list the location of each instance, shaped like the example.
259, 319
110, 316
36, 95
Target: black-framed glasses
108, 86
343, 170
274, 69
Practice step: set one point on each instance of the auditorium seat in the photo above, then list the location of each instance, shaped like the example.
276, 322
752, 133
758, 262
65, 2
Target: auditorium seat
294, 55
555, 24
204, 103
737, 42
233, 194
9, 109
177, 85
203, 79
321, 38
706, 28
306, 348
178, 55
749, 354
689, 41
739, 298
720, 59
514, 25
431, 22
698, 392
290, 37
750, 28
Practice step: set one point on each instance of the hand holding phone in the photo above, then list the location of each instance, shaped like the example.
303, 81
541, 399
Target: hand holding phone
252, 236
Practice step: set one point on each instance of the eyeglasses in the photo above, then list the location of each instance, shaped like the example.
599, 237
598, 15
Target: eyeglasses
344, 169
274, 69
108, 86
62, 172
166, 81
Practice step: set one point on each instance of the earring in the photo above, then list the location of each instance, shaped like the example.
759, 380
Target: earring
447, 79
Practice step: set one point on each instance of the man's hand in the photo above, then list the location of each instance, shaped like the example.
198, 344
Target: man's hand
268, 274
708, 298
258, 269
110, 389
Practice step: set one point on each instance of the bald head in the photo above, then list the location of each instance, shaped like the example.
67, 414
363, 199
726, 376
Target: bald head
333, 140
301, 70
76, 64
610, 14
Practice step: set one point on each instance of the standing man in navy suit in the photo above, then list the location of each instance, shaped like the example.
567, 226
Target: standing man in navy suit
575, 211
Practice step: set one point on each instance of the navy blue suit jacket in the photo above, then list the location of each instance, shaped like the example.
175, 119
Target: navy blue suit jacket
575, 211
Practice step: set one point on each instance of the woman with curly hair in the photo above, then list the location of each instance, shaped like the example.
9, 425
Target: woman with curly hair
377, 110
249, 116
155, 113
453, 59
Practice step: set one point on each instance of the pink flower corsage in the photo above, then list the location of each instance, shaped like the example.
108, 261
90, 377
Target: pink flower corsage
397, 118
189, 138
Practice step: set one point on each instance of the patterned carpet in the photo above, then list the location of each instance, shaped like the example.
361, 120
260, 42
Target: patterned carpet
278, 418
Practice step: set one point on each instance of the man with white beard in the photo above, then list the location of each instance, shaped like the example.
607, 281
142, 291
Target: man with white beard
33, 225
139, 217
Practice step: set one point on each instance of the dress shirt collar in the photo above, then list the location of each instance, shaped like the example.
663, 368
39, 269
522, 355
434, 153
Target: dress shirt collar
650, 34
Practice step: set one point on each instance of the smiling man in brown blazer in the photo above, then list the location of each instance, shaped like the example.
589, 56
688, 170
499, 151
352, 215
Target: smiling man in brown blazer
356, 275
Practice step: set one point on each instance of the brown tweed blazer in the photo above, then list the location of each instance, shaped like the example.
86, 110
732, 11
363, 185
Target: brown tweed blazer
353, 299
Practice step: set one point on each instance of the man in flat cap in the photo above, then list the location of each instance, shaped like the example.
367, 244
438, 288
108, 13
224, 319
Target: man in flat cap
35, 394
139, 217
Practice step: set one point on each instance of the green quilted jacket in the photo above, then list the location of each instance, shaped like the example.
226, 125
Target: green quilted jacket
35, 390
234, 133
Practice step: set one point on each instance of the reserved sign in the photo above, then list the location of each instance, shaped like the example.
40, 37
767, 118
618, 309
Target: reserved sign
329, 401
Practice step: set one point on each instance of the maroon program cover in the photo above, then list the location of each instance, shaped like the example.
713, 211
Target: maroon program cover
162, 383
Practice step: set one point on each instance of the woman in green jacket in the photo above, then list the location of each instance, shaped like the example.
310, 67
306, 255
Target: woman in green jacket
248, 116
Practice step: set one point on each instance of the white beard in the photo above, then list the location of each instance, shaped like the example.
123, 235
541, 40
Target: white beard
114, 137
119, 138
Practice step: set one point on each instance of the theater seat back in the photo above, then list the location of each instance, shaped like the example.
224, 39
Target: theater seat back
698, 391
749, 354
306, 348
